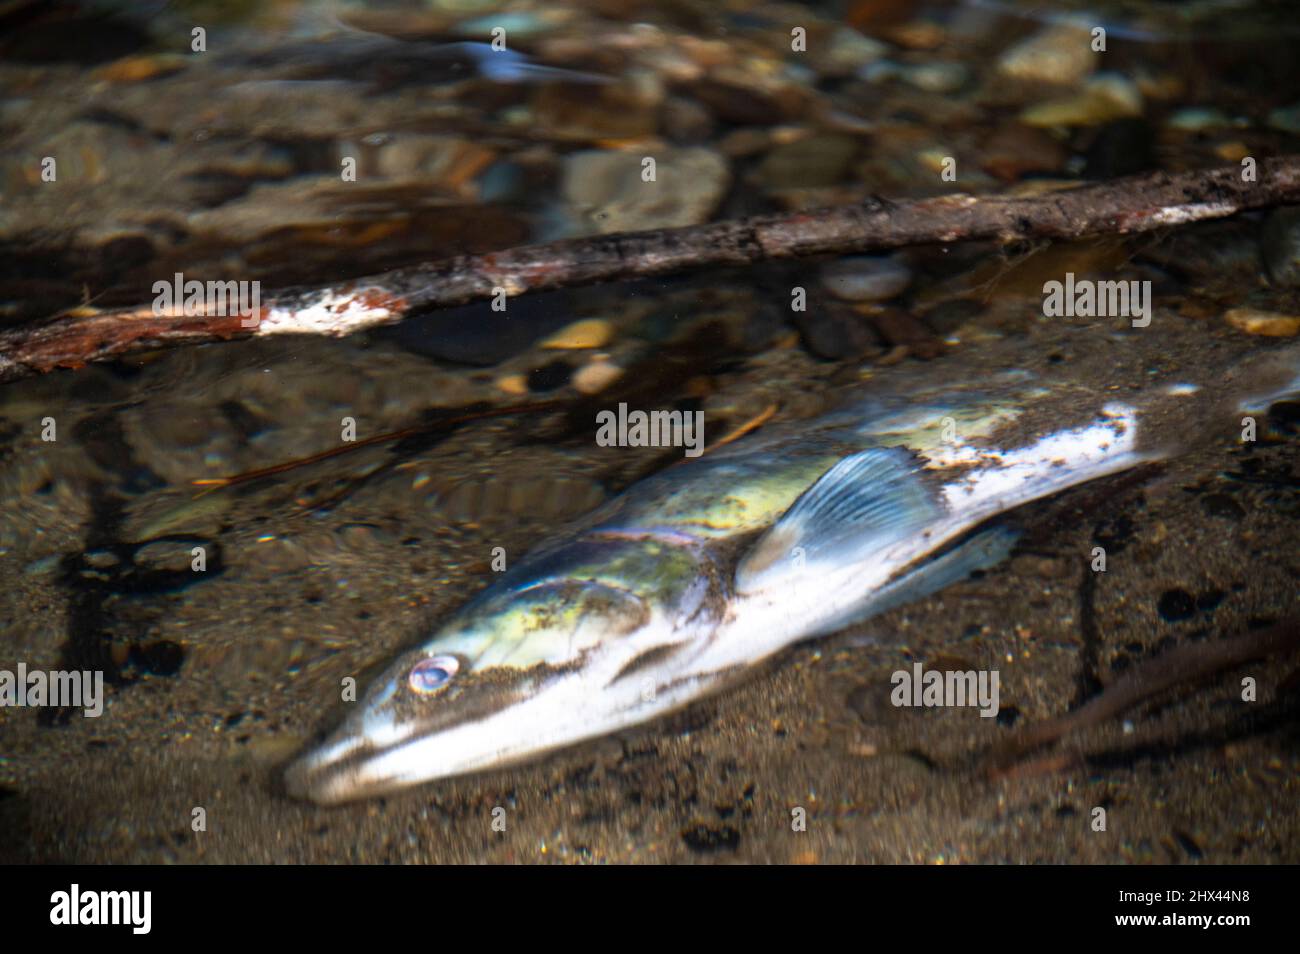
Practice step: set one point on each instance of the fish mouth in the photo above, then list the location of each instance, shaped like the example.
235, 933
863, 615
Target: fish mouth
335, 772
351, 768
377, 752
360, 761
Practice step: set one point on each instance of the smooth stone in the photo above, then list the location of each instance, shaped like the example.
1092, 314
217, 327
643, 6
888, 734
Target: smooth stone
605, 191
865, 278
848, 51
595, 377
513, 384
171, 555
45, 565
938, 77
1196, 119
589, 333
1061, 54
1105, 97
1269, 324
834, 333
927, 77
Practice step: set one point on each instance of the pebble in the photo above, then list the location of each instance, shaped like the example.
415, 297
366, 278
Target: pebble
1061, 54
1197, 119
848, 51
170, 555
917, 34
1234, 150
605, 192
136, 69
1105, 97
100, 559
595, 377
927, 77
938, 77
45, 566
514, 384
589, 333
1269, 324
835, 333
865, 278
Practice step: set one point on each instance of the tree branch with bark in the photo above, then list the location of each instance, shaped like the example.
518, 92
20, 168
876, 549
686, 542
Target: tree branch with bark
1123, 206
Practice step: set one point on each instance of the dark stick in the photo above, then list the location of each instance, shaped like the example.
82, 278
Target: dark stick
1135, 204
1179, 666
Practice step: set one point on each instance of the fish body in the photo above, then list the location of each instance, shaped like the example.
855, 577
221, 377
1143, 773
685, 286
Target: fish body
703, 570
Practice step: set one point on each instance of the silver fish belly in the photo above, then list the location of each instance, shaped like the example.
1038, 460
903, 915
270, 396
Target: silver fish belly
703, 570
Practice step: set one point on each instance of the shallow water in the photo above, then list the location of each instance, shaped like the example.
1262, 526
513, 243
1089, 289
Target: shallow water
228, 168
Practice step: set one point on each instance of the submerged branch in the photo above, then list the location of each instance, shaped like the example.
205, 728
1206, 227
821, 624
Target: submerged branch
1122, 206
1180, 666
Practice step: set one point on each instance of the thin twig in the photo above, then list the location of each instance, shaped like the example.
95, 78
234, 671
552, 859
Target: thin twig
1123, 206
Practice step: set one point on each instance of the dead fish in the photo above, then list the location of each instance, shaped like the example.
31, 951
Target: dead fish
700, 572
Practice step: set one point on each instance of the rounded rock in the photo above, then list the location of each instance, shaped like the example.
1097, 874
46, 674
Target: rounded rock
865, 278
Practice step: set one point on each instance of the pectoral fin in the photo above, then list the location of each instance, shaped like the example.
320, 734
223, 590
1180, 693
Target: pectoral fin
862, 503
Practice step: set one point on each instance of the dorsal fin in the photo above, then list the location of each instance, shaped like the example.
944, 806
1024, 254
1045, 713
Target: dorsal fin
864, 501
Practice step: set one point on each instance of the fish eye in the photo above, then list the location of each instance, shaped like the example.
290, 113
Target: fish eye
430, 675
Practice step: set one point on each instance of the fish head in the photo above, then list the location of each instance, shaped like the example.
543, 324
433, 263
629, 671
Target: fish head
532, 664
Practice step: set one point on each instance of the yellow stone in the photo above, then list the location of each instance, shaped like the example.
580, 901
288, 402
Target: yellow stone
1270, 324
589, 333
136, 69
1233, 151
515, 384
1104, 98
